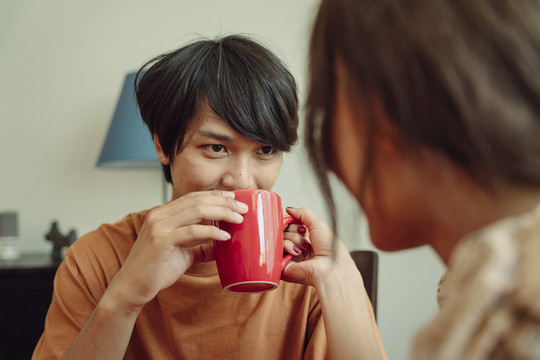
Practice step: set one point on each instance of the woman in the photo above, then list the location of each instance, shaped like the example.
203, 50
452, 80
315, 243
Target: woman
434, 113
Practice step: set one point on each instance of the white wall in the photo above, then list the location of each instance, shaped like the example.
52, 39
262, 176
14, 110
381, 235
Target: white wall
62, 64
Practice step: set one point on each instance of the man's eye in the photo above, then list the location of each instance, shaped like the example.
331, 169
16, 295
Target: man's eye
267, 150
217, 148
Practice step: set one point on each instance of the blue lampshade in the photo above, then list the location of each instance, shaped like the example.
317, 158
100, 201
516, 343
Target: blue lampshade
128, 143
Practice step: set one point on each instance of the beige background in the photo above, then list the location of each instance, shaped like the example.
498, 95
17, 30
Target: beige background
62, 65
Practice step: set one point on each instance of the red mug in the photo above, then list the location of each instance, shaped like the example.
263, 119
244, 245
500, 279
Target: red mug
252, 260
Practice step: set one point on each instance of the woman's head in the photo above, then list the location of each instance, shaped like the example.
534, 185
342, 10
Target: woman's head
239, 79
456, 77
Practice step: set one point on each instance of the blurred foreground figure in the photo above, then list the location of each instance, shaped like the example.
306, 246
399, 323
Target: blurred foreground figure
429, 111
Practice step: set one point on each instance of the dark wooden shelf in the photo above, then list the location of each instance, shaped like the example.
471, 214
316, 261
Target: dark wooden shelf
26, 286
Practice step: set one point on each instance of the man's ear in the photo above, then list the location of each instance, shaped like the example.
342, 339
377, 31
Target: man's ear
159, 151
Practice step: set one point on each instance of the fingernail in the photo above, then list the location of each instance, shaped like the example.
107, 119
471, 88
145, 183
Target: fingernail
242, 206
290, 208
301, 230
225, 234
296, 250
239, 217
228, 194
306, 244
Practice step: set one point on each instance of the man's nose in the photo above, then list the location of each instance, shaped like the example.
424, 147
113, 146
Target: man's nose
239, 175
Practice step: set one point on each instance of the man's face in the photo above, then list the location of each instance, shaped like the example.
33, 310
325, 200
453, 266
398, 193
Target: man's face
214, 156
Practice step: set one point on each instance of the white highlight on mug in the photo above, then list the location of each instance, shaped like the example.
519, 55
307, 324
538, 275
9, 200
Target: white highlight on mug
260, 221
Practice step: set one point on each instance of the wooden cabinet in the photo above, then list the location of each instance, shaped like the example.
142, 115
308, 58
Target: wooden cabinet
26, 287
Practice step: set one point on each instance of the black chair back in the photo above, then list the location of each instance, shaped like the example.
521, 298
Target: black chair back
367, 262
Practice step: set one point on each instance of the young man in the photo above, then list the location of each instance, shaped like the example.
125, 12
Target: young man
221, 113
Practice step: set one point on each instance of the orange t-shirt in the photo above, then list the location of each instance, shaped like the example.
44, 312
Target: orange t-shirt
193, 319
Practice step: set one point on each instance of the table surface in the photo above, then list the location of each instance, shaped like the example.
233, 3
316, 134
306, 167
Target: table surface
29, 261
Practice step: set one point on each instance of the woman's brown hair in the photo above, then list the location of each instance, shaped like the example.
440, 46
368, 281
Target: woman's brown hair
460, 77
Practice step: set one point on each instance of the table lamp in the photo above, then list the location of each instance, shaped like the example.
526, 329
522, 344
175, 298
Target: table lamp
128, 144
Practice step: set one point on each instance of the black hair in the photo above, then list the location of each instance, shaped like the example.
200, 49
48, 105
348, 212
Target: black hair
241, 81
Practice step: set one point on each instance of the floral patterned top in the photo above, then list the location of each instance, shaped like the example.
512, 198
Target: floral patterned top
490, 297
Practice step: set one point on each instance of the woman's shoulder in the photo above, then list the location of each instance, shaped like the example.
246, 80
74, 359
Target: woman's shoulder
490, 296
501, 257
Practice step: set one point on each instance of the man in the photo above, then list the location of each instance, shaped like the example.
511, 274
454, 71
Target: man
221, 114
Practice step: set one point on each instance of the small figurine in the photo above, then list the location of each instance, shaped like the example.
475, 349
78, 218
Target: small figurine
59, 241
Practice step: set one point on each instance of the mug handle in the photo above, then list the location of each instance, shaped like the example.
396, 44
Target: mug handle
286, 221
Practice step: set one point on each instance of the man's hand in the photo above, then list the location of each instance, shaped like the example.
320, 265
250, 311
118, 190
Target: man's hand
172, 238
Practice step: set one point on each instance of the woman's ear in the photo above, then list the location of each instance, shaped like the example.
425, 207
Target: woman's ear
159, 151
387, 135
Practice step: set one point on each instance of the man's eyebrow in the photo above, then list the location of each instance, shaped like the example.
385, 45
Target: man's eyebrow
215, 135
